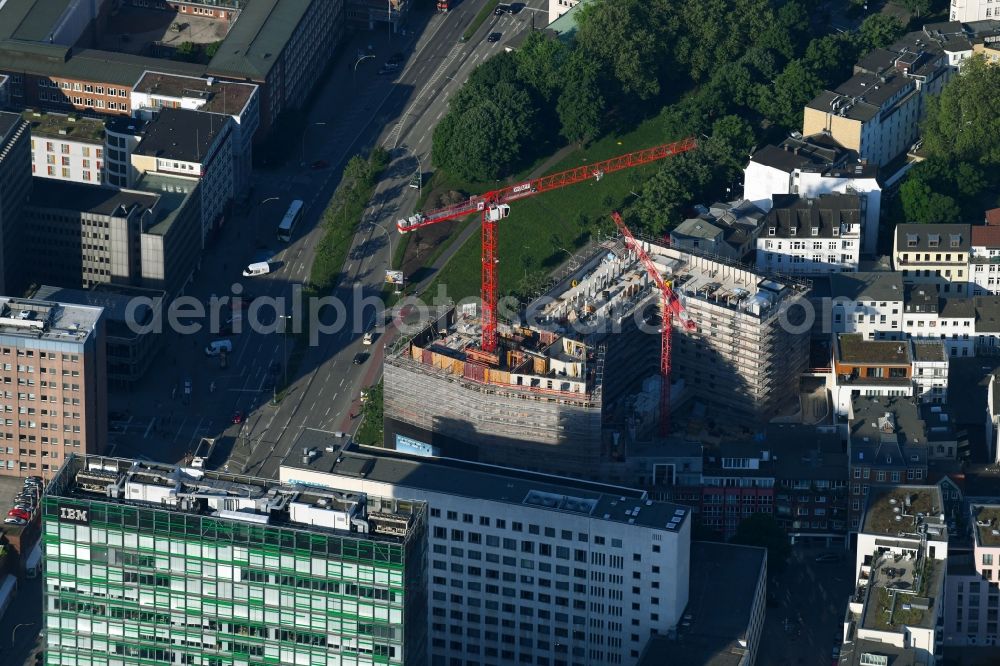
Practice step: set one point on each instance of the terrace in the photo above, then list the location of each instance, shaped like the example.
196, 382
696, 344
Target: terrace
987, 525
902, 593
901, 510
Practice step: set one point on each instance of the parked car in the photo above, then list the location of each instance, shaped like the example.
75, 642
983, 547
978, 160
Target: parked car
367, 338
237, 417
19, 513
494, 37
829, 557
396, 58
319, 164
387, 69
11, 520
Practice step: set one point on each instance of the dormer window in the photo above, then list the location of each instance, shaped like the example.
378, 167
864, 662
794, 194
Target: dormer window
836, 231
956, 240
791, 231
911, 240
815, 231
933, 240
770, 231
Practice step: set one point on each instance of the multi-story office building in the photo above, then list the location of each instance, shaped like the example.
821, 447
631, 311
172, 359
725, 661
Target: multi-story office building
934, 254
723, 621
54, 371
724, 230
809, 236
897, 606
66, 147
15, 186
972, 600
811, 166
877, 112
525, 568
966, 11
240, 101
152, 562
84, 235
953, 320
870, 304
121, 136
737, 482
132, 340
194, 145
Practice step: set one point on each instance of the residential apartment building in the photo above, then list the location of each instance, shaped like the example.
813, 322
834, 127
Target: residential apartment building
898, 602
84, 235
966, 11
559, 7
66, 147
193, 145
984, 255
870, 304
737, 482
55, 384
725, 615
524, 567
811, 483
153, 562
953, 321
811, 166
877, 112
15, 187
724, 230
993, 419
808, 236
934, 254
240, 101
972, 600
889, 443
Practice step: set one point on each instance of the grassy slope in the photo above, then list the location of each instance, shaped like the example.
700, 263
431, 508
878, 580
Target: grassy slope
532, 223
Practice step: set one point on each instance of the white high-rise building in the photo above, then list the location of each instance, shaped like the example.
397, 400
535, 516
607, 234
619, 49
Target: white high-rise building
526, 567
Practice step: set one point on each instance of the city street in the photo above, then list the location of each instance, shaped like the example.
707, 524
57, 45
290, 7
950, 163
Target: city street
324, 392
806, 608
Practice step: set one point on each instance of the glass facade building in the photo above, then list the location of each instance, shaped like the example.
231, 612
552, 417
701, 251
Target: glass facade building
155, 564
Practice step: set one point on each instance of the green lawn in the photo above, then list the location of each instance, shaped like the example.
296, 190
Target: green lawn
536, 226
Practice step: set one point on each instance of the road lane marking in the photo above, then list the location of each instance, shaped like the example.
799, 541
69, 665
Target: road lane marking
148, 428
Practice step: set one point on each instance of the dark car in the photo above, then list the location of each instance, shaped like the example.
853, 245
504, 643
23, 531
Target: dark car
494, 37
388, 69
237, 417
395, 59
319, 164
360, 358
829, 557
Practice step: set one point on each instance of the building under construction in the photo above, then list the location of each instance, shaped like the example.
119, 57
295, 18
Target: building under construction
573, 380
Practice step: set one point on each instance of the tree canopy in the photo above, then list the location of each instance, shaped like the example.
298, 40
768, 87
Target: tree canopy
962, 123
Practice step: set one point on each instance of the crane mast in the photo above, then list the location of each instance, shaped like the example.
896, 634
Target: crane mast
494, 206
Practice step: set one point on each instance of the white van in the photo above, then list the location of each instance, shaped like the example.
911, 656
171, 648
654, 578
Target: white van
215, 347
258, 268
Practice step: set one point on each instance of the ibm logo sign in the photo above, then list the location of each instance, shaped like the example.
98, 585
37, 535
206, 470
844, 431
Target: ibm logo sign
71, 514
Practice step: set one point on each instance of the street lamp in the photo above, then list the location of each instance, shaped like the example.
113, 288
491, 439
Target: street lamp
420, 168
284, 336
357, 62
257, 211
14, 632
305, 133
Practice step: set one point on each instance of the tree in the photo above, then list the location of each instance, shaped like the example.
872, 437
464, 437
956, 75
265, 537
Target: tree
730, 144
672, 188
540, 64
476, 145
762, 530
961, 123
581, 105
916, 7
880, 30
830, 57
922, 204
793, 88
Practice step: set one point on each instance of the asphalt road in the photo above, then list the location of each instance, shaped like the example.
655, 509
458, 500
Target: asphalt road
398, 112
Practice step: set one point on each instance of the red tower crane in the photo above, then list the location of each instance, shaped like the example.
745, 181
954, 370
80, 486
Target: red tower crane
493, 206
671, 306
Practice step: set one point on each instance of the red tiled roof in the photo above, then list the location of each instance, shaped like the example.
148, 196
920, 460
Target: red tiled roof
986, 236
993, 217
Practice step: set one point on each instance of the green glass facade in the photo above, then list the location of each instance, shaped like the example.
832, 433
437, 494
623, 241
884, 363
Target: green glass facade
128, 584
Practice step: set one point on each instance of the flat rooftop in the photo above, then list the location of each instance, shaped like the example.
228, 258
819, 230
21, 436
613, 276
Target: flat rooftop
66, 127
929, 351
987, 522
51, 194
259, 35
902, 592
723, 583
8, 121
899, 419
213, 95
881, 286
894, 509
47, 320
487, 482
115, 299
853, 348
181, 134
232, 497
173, 192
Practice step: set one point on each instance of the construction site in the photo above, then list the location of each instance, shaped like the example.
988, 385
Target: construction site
580, 374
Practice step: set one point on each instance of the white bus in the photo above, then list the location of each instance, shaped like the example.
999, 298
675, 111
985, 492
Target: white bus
289, 221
